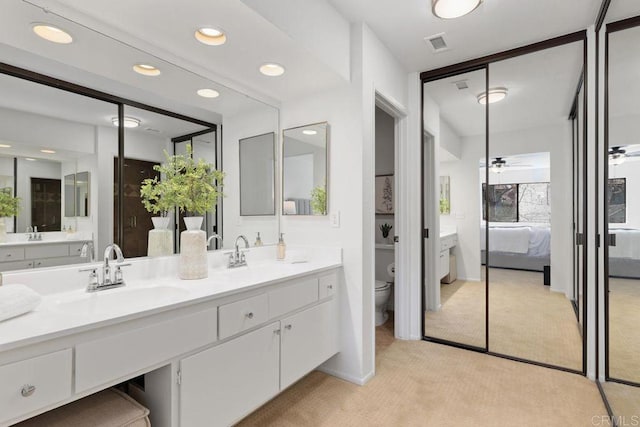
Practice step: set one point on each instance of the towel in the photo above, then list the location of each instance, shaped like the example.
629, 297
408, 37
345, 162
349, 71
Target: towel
296, 257
16, 300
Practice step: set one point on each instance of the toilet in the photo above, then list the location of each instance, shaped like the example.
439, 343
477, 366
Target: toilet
383, 292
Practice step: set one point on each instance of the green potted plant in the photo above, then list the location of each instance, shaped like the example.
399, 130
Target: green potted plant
159, 199
385, 229
319, 200
9, 206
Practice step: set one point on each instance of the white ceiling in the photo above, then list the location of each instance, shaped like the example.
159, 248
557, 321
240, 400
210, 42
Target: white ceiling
541, 87
497, 25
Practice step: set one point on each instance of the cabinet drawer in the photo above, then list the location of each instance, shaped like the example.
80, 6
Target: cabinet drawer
120, 355
11, 254
50, 375
47, 251
75, 249
16, 265
242, 315
52, 262
292, 297
328, 285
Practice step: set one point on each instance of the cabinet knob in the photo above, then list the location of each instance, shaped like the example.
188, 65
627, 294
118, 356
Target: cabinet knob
249, 315
329, 286
8, 255
28, 390
287, 327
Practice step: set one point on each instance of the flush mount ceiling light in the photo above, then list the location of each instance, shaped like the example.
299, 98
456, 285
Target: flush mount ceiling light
496, 94
146, 70
310, 132
129, 122
208, 93
450, 9
52, 34
47, 151
211, 36
272, 69
5, 146
30, 159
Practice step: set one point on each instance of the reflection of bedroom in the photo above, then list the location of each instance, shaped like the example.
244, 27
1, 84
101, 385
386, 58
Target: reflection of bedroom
533, 303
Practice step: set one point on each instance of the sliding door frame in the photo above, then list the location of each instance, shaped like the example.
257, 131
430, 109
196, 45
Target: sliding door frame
610, 28
483, 63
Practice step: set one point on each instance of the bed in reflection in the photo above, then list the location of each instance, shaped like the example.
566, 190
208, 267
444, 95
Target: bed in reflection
624, 253
519, 246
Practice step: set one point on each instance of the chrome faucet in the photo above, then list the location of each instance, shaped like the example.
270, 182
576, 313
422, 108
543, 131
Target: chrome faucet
214, 236
237, 258
108, 281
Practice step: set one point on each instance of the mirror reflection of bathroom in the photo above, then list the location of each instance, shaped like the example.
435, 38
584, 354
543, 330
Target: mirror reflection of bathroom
385, 190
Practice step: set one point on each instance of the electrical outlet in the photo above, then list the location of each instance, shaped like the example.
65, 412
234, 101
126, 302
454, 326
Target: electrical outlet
335, 219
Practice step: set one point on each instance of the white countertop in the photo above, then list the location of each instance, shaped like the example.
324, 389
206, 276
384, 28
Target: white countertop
53, 318
41, 242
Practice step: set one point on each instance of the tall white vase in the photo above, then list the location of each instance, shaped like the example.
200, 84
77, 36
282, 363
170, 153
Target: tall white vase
160, 238
3, 230
193, 250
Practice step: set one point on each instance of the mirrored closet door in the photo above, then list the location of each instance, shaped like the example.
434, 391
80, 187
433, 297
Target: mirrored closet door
507, 139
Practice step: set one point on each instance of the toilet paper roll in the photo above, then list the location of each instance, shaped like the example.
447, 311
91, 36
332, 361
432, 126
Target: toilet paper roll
391, 269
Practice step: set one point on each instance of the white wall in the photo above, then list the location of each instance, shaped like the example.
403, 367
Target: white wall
234, 128
466, 193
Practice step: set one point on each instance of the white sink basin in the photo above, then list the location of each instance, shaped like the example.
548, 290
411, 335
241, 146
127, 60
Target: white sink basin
118, 300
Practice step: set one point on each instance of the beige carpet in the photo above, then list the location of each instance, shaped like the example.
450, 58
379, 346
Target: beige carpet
624, 329
424, 384
526, 319
624, 401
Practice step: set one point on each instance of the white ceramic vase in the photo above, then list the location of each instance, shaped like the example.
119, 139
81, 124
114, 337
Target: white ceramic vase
193, 250
160, 238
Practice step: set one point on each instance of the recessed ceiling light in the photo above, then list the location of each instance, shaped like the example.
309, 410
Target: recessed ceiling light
272, 69
129, 122
30, 159
146, 70
208, 93
309, 132
52, 34
210, 36
5, 146
47, 151
495, 95
450, 9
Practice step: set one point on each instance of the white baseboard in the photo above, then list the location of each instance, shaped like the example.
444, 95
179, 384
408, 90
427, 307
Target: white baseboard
347, 377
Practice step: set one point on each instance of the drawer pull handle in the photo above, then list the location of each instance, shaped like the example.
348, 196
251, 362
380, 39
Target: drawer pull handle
330, 287
287, 327
249, 315
8, 255
28, 390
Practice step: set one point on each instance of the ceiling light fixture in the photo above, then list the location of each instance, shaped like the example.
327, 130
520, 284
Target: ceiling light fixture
496, 94
30, 159
47, 151
52, 34
210, 36
5, 146
129, 122
272, 69
310, 132
146, 70
208, 93
450, 9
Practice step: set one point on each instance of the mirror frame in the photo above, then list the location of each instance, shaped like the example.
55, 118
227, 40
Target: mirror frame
327, 169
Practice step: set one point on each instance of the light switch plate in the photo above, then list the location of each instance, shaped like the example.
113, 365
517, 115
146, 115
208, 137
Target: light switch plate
335, 219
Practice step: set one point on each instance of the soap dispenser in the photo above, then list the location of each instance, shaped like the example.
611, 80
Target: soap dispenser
258, 241
282, 247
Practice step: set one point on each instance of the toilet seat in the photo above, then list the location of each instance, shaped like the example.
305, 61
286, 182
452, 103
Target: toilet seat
381, 286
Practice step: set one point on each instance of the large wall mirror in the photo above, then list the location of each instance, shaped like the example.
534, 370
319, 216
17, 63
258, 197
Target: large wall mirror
305, 170
59, 149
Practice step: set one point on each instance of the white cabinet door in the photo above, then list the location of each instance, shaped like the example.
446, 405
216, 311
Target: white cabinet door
309, 338
224, 383
444, 263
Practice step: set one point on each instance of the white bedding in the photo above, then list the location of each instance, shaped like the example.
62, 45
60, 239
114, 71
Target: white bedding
516, 238
627, 244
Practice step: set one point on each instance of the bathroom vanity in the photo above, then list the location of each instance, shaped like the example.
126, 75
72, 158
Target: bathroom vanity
211, 350
448, 241
19, 255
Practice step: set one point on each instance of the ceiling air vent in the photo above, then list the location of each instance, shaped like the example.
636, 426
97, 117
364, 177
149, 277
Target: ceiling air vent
437, 43
461, 84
